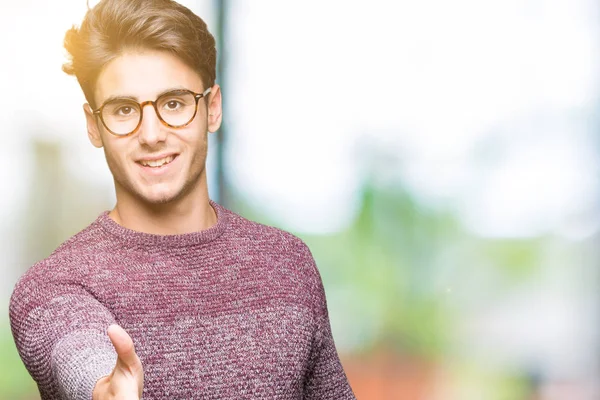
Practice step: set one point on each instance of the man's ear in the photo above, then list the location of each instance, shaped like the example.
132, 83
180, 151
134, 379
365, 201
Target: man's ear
214, 109
92, 126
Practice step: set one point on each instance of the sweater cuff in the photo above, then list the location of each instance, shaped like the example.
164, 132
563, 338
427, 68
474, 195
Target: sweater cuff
79, 360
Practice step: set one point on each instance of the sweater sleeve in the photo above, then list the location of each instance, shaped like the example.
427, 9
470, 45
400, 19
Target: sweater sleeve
59, 329
326, 377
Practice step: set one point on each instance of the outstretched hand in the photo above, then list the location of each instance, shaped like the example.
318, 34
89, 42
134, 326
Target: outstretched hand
126, 381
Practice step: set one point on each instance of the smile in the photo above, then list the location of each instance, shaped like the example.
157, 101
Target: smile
157, 163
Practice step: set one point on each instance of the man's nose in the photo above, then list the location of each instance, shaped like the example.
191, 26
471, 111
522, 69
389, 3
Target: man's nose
151, 131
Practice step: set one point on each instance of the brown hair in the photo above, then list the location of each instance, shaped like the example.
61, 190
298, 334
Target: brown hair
113, 26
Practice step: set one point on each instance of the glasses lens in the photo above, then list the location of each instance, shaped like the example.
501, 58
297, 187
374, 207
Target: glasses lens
121, 117
176, 108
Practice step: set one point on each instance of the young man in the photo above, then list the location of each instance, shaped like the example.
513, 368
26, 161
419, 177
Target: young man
169, 294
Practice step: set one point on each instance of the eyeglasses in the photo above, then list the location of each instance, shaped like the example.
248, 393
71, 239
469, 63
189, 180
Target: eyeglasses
175, 109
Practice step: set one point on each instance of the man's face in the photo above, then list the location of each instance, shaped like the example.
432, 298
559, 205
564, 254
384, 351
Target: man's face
156, 164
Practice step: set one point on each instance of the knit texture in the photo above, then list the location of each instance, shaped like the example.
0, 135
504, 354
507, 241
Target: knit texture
237, 311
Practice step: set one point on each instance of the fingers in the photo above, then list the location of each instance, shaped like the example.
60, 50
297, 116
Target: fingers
124, 347
127, 379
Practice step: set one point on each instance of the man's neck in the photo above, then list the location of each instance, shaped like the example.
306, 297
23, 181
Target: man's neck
193, 213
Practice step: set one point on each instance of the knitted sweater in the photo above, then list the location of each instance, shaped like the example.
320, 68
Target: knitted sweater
236, 311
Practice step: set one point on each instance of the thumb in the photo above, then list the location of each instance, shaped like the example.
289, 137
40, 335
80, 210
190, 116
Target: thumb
124, 348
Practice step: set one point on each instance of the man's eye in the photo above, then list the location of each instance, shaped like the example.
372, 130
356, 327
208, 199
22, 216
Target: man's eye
127, 110
173, 105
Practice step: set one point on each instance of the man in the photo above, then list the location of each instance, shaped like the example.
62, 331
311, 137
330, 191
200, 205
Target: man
169, 294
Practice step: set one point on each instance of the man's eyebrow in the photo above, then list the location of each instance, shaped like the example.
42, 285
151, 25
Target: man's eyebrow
173, 89
136, 99
120, 97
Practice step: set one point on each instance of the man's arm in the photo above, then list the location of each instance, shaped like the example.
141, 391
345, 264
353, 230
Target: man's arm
326, 378
60, 331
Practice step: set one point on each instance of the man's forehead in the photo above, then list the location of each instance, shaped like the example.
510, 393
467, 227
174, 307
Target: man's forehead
145, 75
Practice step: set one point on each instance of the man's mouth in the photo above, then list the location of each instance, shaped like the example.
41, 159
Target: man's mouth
157, 163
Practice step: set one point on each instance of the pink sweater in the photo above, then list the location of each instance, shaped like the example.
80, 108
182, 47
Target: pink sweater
237, 311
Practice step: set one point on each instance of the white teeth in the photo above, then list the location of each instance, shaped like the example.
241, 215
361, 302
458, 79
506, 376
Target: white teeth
157, 163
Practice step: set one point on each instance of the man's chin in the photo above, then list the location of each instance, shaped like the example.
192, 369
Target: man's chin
157, 199
160, 200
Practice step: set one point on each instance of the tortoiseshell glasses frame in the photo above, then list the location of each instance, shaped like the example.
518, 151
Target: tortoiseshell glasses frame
133, 105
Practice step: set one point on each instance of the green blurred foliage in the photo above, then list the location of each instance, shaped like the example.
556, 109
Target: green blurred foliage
475, 381
387, 259
400, 259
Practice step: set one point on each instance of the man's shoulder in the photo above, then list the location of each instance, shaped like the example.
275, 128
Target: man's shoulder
281, 252
67, 265
72, 254
86, 242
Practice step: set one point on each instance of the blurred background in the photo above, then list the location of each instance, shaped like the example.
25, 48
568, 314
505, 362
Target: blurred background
439, 158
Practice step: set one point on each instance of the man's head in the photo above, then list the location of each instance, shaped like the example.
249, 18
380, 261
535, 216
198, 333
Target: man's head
131, 52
